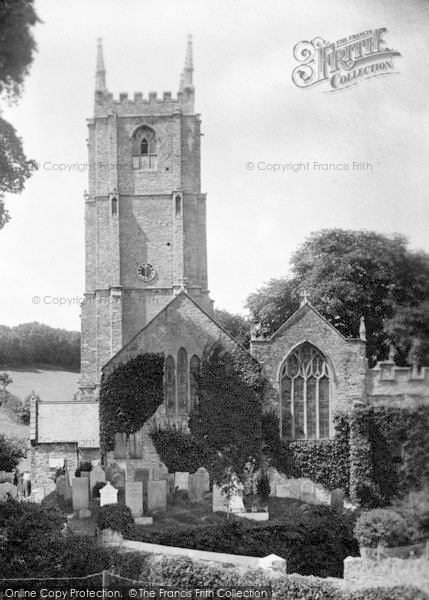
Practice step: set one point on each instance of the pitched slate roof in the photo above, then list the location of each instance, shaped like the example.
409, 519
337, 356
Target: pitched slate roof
72, 421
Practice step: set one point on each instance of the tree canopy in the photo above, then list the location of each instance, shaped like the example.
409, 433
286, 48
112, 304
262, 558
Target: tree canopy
349, 274
17, 49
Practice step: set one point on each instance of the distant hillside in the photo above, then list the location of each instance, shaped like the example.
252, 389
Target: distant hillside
37, 344
50, 384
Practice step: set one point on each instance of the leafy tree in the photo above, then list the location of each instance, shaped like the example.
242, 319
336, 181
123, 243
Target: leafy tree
235, 324
5, 380
12, 450
227, 420
17, 48
349, 274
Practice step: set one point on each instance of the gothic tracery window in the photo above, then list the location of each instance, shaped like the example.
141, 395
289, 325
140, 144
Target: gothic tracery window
144, 144
169, 386
182, 381
304, 389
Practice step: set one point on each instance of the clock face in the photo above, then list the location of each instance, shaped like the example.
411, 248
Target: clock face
146, 272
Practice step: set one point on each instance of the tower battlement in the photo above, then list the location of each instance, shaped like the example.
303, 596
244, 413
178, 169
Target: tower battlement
142, 104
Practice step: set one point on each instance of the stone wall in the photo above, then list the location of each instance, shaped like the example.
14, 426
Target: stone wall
41, 471
386, 380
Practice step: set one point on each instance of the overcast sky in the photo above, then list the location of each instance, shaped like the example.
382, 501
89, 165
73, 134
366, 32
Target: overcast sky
251, 111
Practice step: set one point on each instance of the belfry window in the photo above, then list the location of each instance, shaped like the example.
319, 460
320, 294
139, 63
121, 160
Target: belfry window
304, 391
144, 148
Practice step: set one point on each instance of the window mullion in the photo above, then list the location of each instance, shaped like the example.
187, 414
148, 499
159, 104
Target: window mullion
317, 408
304, 393
292, 406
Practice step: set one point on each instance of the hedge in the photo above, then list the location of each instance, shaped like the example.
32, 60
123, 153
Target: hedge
397, 592
389, 447
117, 517
314, 540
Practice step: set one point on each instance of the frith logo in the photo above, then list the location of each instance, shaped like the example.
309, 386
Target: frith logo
343, 63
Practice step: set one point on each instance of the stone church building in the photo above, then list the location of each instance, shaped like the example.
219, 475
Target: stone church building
146, 290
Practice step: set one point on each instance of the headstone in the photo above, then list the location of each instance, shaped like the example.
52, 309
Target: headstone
80, 493
141, 475
118, 479
67, 487
134, 497
197, 483
170, 484
337, 500
160, 472
7, 489
143, 520
96, 475
121, 445
84, 513
108, 495
181, 480
307, 491
156, 495
203, 471
60, 485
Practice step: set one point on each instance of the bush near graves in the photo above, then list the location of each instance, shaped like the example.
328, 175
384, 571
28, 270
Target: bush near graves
389, 450
397, 592
12, 450
381, 526
117, 517
129, 397
313, 539
97, 487
30, 534
178, 449
414, 508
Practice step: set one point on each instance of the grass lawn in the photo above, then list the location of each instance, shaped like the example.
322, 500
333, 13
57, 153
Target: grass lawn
48, 382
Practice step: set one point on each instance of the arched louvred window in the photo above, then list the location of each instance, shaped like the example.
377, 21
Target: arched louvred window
304, 394
144, 149
169, 386
194, 371
182, 381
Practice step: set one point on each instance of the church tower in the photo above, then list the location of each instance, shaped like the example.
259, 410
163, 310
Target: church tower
145, 215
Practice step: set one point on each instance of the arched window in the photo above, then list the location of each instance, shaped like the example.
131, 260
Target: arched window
169, 386
194, 371
304, 390
182, 381
144, 146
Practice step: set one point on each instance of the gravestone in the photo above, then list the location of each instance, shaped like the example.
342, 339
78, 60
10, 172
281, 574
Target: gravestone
181, 480
95, 476
108, 495
80, 493
141, 475
67, 487
156, 495
84, 513
307, 491
197, 483
170, 484
203, 471
134, 497
60, 485
337, 500
7, 490
160, 472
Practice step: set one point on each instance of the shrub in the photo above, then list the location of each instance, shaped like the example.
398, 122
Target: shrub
314, 541
414, 508
97, 487
263, 485
397, 592
12, 449
117, 517
381, 526
178, 449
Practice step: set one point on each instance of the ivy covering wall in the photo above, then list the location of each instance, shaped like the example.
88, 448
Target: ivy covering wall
129, 397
